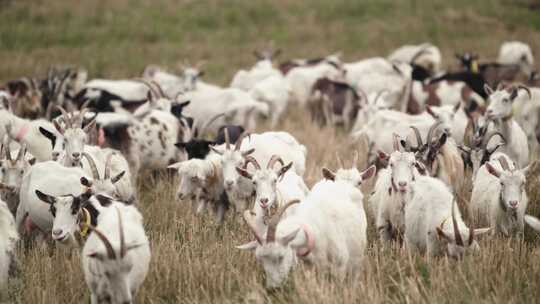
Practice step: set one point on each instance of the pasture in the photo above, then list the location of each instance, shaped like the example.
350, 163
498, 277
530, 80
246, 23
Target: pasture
193, 259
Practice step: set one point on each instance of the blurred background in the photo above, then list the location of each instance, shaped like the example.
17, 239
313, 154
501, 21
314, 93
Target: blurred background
119, 38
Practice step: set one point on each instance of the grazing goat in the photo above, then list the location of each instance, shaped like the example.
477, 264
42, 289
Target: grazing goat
500, 112
116, 256
328, 229
202, 179
499, 196
433, 223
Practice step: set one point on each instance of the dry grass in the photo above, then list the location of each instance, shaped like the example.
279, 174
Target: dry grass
194, 261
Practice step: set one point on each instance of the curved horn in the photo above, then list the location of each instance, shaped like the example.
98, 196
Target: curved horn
273, 160
103, 238
150, 87
239, 141
7, 150
93, 167
396, 142
520, 86
253, 161
272, 225
82, 112
419, 141
431, 132
457, 234
65, 115
504, 163
22, 152
123, 249
107, 173
248, 217
423, 50
488, 137
209, 122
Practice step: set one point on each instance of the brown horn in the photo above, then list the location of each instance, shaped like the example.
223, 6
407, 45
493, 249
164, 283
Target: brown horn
8, 151
123, 249
273, 161
457, 234
107, 173
396, 142
272, 225
431, 132
22, 152
419, 141
253, 161
248, 218
93, 167
239, 141
103, 238
504, 163
488, 137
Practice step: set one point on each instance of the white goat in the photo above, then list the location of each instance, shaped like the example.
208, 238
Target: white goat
13, 170
274, 91
247, 80
425, 55
202, 179
8, 240
116, 256
433, 223
499, 195
352, 176
501, 113
515, 52
272, 188
263, 146
328, 229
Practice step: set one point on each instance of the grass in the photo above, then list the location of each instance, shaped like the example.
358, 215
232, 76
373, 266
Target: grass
194, 261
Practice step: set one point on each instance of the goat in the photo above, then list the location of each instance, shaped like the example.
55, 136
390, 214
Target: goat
262, 147
515, 52
202, 179
334, 102
499, 196
492, 72
354, 177
199, 148
13, 171
8, 240
433, 223
328, 229
26, 97
500, 112
272, 188
102, 93
116, 256
263, 69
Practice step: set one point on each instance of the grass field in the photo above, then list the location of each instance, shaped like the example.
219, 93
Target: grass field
194, 261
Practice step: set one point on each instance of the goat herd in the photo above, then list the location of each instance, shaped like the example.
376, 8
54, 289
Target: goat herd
73, 149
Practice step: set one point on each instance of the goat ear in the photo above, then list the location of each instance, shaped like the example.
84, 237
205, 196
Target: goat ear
488, 89
244, 173
442, 139
443, 236
329, 175
248, 246
32, 161
45, 198
533, 222
369, 172
86, 182
116, 178
492, 170
175, 165
180, 145
248, 152
284, 169
289, 237
47, 134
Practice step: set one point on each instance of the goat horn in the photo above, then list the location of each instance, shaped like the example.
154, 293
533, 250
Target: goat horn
419, 141
227, 139
504, 163
66, 117
93, 167
520, 86
82, 112
8, 151
471, 236
423, 50
123, 249
355, 159
239, 141
272, 225
103, 238
248, 218
273, 161
459, 240
431, 132
396, 142
22, 152
339, 161
253, 161
108, 161
149, 85
210, 121
488, 137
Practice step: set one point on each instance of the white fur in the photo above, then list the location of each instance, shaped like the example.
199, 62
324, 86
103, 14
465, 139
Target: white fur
430, 59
